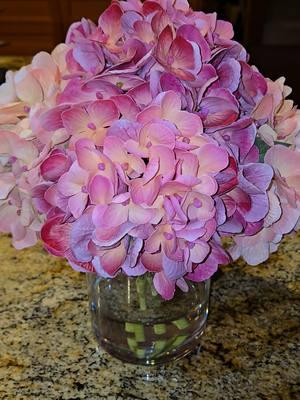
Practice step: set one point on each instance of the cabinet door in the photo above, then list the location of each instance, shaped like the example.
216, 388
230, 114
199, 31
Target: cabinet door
74, 10
29, 26
29, 17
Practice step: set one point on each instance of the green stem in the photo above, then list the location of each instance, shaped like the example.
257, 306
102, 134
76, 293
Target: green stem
140, 287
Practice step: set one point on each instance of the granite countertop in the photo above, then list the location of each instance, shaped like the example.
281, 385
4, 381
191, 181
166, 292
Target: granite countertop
250, 349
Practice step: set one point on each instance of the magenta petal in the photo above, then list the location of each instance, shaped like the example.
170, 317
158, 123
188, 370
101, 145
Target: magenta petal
141, 94
152, 262
137, 270
229, 74
99, 268
164, 286
164, 43
55, 235
203, 272
113, 259
219, 108
52, 120
173, 270
111, 236
54, 166
80, 236
89, 56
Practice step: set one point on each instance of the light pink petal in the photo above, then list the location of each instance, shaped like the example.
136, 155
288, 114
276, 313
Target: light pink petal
7, 182
139, 215
110, 22
110, 216
75, 120
264, 108
158, 133
188, 124
28, 88
285, 160
149, 114
153, 243
141, 94
113, 148
207, 185
145, 193
170, 188
87, 155
101, 190
77, 204
126, 106
224, 29
144, 31
199, 252
103, 112
212, 159
73, 181
151, 170
12, 145
27, 238
8, 215
170, 105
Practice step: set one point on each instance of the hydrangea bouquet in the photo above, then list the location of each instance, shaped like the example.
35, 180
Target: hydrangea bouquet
142, 141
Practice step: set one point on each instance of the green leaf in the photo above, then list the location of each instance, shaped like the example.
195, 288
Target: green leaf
262, 147
283, 143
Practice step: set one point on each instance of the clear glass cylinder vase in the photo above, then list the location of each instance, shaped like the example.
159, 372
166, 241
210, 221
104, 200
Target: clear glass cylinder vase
135, 324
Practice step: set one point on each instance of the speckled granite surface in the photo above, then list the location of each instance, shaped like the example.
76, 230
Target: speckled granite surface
250, 349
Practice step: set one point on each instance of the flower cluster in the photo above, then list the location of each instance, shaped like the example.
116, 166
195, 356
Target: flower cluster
142, 141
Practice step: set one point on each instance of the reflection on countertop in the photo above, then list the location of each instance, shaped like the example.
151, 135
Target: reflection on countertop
250, 349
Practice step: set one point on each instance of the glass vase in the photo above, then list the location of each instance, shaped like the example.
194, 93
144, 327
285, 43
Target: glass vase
135, 324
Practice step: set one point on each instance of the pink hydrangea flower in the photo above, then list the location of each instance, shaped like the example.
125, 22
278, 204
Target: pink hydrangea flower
139, 143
